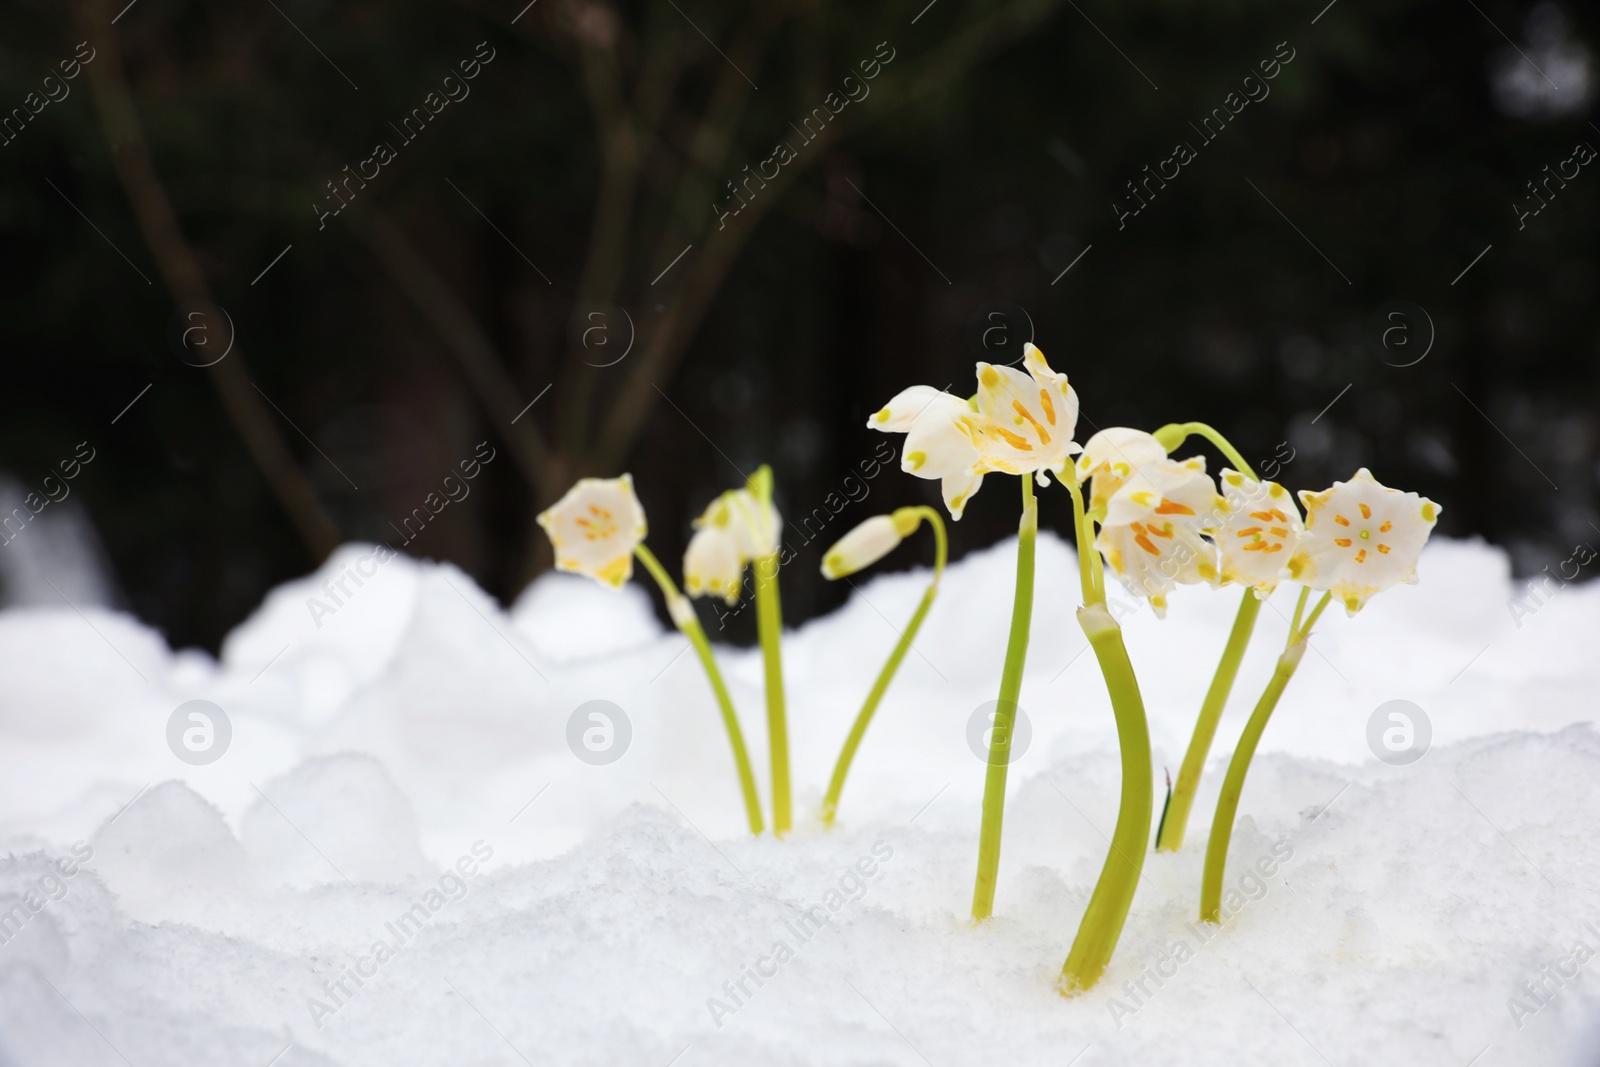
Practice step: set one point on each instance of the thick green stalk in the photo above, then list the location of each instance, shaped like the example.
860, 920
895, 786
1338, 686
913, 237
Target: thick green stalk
1005, 714
1223, 445
1102, 923
769, 626
858, 730
1233, 784
1176, 817
688, 624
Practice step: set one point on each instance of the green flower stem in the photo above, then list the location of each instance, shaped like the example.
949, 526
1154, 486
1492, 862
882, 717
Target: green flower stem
1224, 446
1119, 878
769, 625
1176, 817
858, 730
1005, 715
688, 624
1233, 784
1091, 575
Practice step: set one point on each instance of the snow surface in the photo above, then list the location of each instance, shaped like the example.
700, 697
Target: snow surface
399, 774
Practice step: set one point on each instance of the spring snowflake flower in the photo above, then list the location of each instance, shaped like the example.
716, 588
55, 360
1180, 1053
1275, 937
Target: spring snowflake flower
595, 527
1152, 533
1361, 537
1259, 530
868, 543
1024, 422
736, 529
937, 447
1111, 456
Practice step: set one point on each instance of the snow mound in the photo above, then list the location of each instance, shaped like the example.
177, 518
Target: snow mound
390, 854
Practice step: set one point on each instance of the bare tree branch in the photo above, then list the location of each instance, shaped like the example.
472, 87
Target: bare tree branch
185, 282
456, 325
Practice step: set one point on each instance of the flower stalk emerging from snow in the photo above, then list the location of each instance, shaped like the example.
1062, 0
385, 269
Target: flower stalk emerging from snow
858, 549
1360, 538
1260, 549
1005, 712
1103, 920
741, 528
1018, 423
598, 530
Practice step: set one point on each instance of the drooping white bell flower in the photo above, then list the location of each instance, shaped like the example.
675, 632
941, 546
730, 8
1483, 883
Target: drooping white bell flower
937, 447
1111, 456
1152, 535
736, 529
1259, 532
595, 527
1361, 537
1024, 422
712, 565
868, 543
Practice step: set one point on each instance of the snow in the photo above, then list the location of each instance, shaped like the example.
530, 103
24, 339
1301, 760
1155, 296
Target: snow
398, 815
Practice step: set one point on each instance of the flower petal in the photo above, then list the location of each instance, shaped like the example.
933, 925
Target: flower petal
595, 527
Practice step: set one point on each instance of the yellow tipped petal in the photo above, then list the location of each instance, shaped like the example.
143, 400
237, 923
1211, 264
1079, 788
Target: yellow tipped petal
595, 527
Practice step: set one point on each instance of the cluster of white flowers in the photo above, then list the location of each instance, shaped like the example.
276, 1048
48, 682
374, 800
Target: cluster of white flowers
1162, 521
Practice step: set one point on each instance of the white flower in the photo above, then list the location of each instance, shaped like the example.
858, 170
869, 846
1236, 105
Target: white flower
1361, 537
737, 528
1024, 422
1151, 535
868, 543
1111, 456
712, 565
937, 447
1259, 531
595, 527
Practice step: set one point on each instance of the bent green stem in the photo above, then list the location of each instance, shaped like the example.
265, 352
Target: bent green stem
1175, 818
1239, 766
1005, 714
688, 624
858, 730
769, 626
1200, 429
1102, 923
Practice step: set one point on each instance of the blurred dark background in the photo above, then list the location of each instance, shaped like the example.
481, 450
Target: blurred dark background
520, 247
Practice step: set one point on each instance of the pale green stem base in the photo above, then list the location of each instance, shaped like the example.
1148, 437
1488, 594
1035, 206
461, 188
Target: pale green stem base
1102, 923
858, 730
1233, 784
683, 616
769, 626
1169, 838
994, 782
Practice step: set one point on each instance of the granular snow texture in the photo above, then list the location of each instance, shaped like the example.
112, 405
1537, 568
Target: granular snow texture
399, 860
